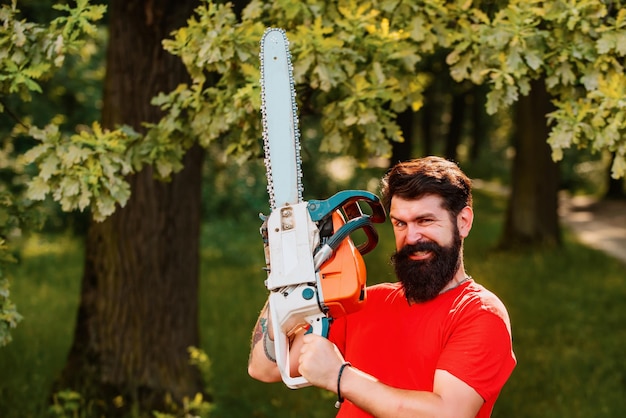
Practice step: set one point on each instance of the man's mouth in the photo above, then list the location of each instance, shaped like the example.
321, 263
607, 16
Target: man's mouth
420, 255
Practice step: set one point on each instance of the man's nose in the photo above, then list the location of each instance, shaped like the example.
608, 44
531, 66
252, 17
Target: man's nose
414, 234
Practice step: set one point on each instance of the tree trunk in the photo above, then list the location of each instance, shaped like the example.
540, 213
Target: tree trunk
479, 123
615, 187
455, 128
402, 151
139, 303
532, 217
427, 113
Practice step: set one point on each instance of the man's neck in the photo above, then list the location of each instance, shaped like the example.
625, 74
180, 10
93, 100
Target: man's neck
459, 278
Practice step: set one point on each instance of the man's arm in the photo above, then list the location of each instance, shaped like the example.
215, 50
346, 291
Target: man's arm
451, 397
320, 362
262, 361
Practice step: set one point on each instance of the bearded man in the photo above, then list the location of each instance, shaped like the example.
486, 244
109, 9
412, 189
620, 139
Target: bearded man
433, 344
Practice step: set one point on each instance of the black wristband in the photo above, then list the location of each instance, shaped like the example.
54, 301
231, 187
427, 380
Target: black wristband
339, 398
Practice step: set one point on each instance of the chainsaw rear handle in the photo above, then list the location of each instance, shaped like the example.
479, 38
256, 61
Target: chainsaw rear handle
372, 238
348, 201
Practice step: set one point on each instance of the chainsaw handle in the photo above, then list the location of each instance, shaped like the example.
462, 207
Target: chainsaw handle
342, 233
281, 346
347, 200
372, 239
327, 250
318, 323
353, 211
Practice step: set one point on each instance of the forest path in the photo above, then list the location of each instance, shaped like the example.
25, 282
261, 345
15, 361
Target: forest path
600, 224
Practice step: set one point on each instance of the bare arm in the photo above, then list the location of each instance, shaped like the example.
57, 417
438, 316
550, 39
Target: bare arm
320, 362
262, 361
451, 397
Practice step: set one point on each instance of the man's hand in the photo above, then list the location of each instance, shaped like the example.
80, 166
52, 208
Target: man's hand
320, 361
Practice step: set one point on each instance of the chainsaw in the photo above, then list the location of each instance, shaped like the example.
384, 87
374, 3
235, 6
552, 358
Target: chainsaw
315, 271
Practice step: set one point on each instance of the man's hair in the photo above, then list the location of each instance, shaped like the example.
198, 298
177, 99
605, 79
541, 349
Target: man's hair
425, 176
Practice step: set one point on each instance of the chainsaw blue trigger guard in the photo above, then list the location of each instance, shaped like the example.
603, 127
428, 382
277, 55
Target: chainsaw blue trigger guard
324, 327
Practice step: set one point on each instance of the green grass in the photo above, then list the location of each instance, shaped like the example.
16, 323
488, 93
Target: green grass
45, 286
567, 309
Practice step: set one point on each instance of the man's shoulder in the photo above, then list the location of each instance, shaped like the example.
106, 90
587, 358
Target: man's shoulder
384, 285
384, 288
480, 298
385, 292
483, 294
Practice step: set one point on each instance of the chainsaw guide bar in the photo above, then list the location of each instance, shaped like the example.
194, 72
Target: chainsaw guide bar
280, 121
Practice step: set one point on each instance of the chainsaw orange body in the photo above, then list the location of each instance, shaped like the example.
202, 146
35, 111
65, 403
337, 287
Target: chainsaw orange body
343, 277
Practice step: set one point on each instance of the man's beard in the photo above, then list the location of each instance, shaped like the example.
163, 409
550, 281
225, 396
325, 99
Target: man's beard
423, 280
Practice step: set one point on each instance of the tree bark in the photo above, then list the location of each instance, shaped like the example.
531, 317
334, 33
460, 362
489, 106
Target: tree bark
402, 151
427, 113
615, 187
532, 216
479, 122
455, 127
138, 313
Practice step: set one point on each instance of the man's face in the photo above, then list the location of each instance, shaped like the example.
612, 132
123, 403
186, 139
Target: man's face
428, 246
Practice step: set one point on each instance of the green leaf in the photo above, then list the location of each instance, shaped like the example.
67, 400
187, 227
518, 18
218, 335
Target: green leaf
74, 155
38, 188
69, 186
49, 166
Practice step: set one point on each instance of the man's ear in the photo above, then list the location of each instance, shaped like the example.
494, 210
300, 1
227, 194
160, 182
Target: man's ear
464, 221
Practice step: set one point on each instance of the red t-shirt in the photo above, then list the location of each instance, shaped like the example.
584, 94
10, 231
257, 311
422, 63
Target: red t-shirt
465, 331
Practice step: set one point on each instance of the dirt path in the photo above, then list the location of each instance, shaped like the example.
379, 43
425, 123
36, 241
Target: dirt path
598, 224
601, 225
